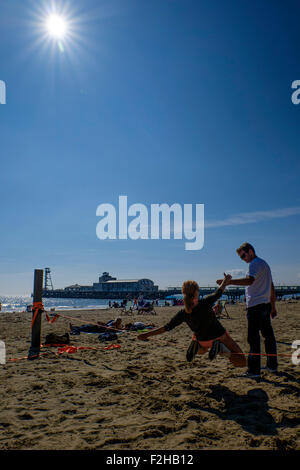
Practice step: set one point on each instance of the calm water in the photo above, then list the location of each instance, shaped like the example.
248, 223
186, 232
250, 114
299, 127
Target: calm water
19, 304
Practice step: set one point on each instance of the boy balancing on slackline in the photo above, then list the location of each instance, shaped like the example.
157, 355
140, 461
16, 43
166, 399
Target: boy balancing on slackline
209, 334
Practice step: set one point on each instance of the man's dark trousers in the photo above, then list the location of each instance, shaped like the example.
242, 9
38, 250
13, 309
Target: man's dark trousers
259, 320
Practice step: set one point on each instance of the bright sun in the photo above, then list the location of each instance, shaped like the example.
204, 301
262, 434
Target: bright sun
56, 26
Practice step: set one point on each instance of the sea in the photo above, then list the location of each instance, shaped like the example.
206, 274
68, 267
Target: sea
19, 303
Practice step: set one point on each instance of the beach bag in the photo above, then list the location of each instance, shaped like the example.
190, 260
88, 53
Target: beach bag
52, 338
192, 350
107, 337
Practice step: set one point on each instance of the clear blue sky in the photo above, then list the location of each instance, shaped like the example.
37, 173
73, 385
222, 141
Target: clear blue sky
183, 101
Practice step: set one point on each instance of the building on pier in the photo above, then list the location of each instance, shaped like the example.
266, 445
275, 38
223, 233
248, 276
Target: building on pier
108, 284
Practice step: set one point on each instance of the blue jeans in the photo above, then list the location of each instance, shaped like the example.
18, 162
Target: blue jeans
259, 321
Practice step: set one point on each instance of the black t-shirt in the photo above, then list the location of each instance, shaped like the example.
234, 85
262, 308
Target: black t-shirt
202, 320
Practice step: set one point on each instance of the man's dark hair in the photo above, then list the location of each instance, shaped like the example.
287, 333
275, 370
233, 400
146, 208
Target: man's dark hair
245, 247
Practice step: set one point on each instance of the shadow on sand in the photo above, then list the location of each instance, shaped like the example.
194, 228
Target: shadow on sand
250, 411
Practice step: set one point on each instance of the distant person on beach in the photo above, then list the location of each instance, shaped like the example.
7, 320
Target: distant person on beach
140, 301
217, 308
147, 307
260, 302
209, 334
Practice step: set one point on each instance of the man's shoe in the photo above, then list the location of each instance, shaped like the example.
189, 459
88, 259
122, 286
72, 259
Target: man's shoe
249, 375
214, 350
272, 371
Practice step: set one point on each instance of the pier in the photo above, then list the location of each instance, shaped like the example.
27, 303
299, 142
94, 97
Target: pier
112, 289
233, 293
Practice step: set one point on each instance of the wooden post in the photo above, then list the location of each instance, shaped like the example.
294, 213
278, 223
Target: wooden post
34, 350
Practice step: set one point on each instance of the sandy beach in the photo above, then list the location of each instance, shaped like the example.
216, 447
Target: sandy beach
145, 395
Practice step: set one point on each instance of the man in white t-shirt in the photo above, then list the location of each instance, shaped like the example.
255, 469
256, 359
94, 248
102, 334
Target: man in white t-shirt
260, 301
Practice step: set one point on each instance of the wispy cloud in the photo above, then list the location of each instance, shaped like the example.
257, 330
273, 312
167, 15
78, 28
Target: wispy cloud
253, 217
176, 227
235, 273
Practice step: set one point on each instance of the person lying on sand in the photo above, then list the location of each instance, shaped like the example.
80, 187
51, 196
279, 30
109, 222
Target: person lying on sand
138, 326
112, 325
117, 323
209, 333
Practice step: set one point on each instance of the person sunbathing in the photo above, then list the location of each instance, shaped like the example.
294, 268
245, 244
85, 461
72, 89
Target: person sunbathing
100, 327
117, 323
209, 334
138, 326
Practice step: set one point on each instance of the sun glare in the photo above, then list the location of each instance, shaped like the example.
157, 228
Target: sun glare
56, 26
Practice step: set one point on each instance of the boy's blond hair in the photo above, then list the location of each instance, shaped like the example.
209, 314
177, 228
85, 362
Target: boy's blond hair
189, 289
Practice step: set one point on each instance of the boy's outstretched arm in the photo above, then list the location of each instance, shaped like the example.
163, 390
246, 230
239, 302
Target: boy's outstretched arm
175, 321
212, 298
158, 331
245, 281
